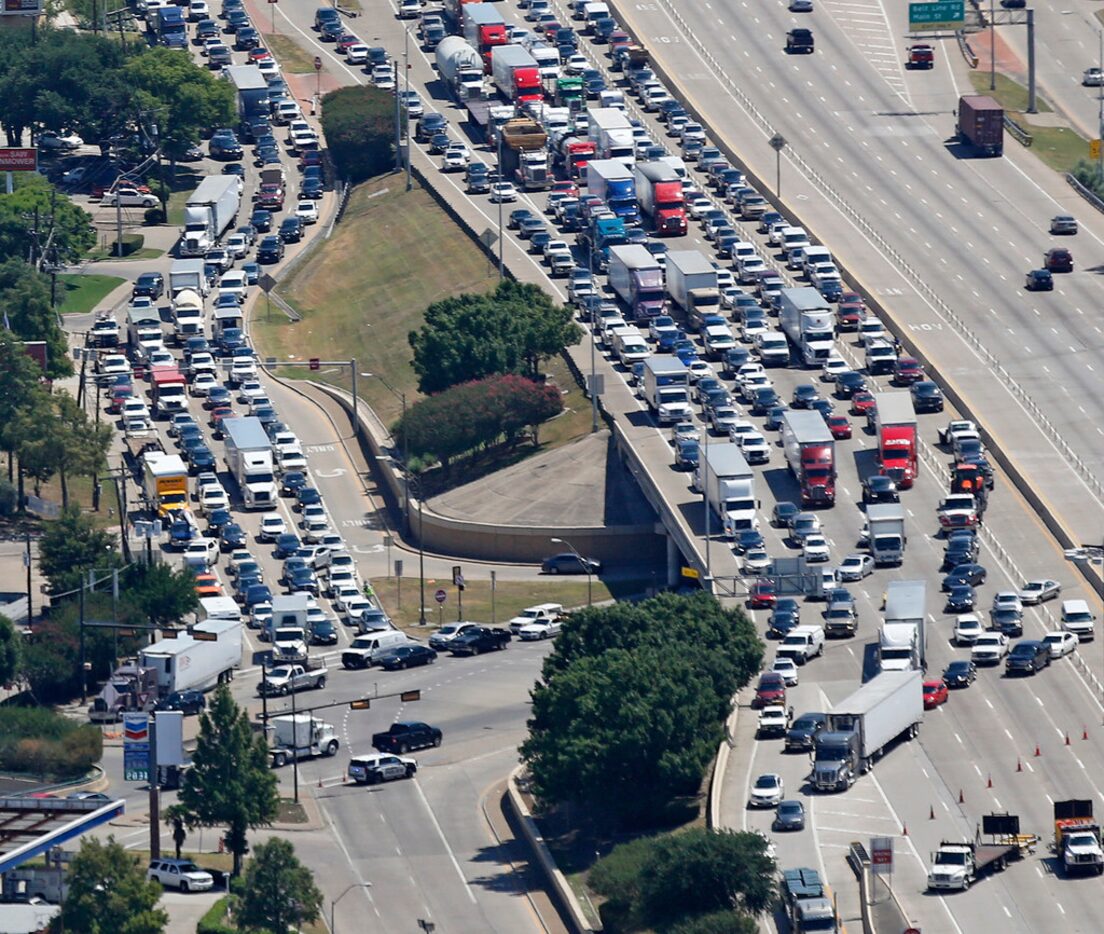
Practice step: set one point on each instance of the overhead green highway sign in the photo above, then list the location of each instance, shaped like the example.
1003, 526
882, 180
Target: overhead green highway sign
939, 16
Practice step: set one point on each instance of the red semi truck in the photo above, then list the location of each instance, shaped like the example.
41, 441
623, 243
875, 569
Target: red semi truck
575, 153
484, 28
515, 73
894, 423
659, 191
811, 454
168, 389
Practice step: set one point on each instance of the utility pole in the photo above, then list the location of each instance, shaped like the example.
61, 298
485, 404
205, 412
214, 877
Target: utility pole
398, 124
992, 46
501, 181
406, 78
27, 564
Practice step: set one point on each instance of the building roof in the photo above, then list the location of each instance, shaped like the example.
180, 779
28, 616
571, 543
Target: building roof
30, 825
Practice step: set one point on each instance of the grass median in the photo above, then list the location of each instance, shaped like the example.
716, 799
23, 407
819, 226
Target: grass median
290, 54
79, 294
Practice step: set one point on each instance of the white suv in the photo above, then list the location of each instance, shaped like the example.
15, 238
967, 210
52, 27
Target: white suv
180, 874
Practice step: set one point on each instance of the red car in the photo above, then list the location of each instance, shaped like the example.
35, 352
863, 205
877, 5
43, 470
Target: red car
618, 38
258, 55
935, 693
569, 188
862, 403
309, 157
1058, 259
850, 315
119, 395
217, 415
270, 197
839, 426
763, 595
772, 690
907, 371
345, 41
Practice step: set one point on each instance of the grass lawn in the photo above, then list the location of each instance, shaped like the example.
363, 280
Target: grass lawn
289, 53
510, 597
80, 294
393, 254
1061, 148
80, 494
133, 248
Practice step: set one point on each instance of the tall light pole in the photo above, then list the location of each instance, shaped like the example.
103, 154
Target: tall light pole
992, 46
333, 904
501, 181
406, 66
583, 562
1100, 111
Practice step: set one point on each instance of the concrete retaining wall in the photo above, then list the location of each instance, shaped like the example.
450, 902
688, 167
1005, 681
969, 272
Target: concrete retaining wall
568, 904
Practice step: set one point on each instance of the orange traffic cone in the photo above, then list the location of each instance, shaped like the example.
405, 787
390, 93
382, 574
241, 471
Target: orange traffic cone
1084, 732
931, 812
1067, 739
961, 797
1037, 751
1019, 764
904, 831
989, 784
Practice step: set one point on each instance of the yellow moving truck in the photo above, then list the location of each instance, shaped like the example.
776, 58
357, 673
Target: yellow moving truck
165, 481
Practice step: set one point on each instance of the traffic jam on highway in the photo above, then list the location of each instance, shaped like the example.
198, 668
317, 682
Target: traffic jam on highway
227, 479
771, 378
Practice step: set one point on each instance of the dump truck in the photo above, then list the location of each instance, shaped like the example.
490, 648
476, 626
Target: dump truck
811, 454
858, 729
980, 124
957, 864
525, 154
1077, 837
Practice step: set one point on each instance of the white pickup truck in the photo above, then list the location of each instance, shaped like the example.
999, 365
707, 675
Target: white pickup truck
287, 679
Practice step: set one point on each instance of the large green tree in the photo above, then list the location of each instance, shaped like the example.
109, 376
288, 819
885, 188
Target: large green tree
279, 891
10, 652
25, 303
470, 337
162, 595
359, 123
71, 546
182, 99
109, 894
632, 703
22, 397
64, 228
230, 783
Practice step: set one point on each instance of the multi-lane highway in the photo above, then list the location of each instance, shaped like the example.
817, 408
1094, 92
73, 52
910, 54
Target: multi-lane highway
943, 241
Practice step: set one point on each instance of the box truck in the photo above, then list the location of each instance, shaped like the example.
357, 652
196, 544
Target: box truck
886, 533
515, 73
611, 132
187, 274
811, 454
859, 729
980, 124
249, 460
903, 642
250, 90
165, 482
637, 278
667, 389
692, 283
809, 322
484, 28
729, 486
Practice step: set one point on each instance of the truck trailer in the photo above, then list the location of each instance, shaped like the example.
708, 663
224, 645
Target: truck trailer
886, 533
904, 639
667, 389
659, 189
611, 181
209, 213
809, 322
637, 278
980, 124
189, 664
859, 729
249, 460
957, 864
811, 454
187, 274
515, 73
611, 132
692, 282
250, 90
460, 67
165, 482
894, 422
484, 28
729, 486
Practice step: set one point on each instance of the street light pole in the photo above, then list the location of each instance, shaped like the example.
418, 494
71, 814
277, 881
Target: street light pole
501, 181
992, 46
583, 562
333, 904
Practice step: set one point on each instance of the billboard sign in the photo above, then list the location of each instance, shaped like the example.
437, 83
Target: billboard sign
21, 7
18, 158
136, 748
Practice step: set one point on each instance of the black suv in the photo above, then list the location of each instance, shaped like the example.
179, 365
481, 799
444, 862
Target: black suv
1027, 657
799, 41
187, 702
878, 488
478, 179
429, 125
271, 249
151, 284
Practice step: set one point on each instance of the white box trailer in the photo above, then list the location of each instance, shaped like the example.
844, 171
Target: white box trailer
729, 486
186, 663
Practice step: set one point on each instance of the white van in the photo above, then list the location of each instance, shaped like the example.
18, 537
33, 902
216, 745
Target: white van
366, 647
536, 614
802, 644
1078, 619
811, 255
791, 239
593, 12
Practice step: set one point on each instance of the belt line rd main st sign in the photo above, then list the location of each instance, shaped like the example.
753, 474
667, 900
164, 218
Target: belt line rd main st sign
941, 16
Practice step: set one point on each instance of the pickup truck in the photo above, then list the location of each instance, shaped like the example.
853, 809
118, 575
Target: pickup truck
404, 736
773, 721
479, 639
958, 511
287, 679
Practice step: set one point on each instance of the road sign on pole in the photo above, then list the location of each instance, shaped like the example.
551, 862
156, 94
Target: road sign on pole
440, 596
1094, 149
941, 16
881, 855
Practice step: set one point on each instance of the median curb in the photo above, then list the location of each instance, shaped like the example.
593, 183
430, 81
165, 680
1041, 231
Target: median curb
572, 910
714, 819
